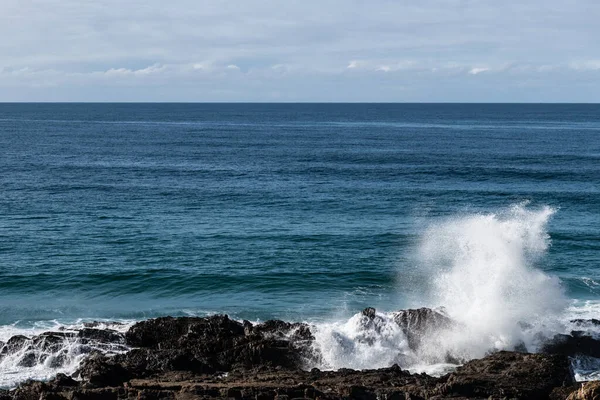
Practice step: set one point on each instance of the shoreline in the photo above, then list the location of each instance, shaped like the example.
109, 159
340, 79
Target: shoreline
217, 357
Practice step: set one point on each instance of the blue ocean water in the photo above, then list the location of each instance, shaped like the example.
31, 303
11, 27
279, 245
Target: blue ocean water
294, 211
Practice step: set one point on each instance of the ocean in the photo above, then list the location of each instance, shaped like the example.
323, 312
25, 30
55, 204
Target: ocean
303, 212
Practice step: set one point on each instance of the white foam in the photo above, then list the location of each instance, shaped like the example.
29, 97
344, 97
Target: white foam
583, 309
438, 369
46, 366
38, 327
483, 272
361, 343
586, 368
33, 360
482, 268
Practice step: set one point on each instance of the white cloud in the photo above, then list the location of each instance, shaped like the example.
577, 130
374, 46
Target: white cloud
382, 65
423, 44
588, 65
478, 70
202, 66
151, 70
398, 66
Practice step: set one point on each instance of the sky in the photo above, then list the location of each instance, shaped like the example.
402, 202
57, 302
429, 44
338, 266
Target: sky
300, 51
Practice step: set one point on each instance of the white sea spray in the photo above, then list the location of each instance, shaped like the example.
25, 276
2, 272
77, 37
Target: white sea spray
484, 269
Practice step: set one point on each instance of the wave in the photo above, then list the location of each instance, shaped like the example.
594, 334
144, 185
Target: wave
481, 277
49, 347
481, 271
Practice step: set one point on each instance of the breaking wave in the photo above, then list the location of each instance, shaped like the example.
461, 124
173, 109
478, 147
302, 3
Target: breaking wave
50, 348
482, 281
482, 273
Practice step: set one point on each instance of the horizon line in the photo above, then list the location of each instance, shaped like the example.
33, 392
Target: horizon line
297, 102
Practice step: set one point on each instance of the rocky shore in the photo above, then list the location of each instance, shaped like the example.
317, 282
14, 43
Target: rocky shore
216, 357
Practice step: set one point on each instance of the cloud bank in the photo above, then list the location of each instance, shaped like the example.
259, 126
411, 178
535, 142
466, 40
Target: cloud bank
268, 50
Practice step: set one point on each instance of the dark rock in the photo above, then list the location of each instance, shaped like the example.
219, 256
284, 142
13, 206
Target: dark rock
101, 336
101, 371
62, 380
419, 323
281, 329
29, 391
185, 358
563, 392
13, 344
369, 312
248, 327
169, 332
144, 362
28, 360
96, 324
51, 342
508, 375
360, 393
502, 375
219, 343
572, 345
586, 322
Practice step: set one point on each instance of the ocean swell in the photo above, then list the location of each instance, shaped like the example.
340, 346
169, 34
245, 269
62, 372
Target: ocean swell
484, 292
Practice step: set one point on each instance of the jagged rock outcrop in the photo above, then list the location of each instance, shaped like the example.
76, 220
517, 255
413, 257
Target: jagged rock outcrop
502, 375
200, 345
508, 375
216, 357
572, 345
420, 323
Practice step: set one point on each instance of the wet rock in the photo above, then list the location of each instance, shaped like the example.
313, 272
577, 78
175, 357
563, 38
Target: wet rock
508, 375
422, 322
369, 312
101, 336
281, 329
96, 324
30, 391
219, 343
101, 371
563, 392
28, 360
145, 362
502, 375
62, 380
14, 344
586, 322
572, 345
169, 332
188, 357
51, 342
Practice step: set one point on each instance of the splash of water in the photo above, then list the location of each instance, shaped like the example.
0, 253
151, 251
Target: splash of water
483, 273
361, 343
47, 348
481, 269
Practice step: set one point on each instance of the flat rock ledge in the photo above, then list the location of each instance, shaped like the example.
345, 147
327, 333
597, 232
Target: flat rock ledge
217, 358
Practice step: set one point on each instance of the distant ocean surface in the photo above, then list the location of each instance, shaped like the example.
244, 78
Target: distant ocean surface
122, 212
